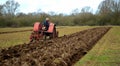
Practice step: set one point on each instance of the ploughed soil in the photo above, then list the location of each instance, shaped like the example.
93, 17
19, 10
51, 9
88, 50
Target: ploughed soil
62, 51
15, 31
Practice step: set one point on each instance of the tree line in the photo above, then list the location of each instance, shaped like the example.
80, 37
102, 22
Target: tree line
108, 13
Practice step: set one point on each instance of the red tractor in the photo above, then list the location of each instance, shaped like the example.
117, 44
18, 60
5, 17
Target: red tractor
40, 34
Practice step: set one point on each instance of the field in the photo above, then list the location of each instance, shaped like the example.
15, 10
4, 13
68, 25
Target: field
106, 52
71, 48
11, 39
14, 29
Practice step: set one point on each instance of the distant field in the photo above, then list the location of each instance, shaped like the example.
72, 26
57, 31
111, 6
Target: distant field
12, 39
14, 29
106, 52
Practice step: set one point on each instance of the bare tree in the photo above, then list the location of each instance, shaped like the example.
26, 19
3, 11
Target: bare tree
109, 6
86, 9
51, 13
1, 10
75, 11
109, 11
10, 7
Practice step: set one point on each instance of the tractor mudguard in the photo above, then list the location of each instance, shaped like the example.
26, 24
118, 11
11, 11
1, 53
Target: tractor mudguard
51, 28
37, 27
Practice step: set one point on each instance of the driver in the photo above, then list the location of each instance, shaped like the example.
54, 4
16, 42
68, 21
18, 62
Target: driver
46, 24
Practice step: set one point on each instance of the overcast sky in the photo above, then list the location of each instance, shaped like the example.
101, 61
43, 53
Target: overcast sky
57, 6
